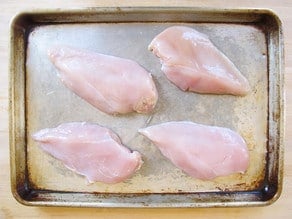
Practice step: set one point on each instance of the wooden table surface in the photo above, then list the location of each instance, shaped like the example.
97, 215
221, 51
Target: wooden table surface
10, 208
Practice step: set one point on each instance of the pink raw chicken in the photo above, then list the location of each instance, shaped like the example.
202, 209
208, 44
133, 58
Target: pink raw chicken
111, 84
90, 150
192, 62
203, 152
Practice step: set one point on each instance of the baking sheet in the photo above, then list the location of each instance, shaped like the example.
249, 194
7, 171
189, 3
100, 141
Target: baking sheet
48, 103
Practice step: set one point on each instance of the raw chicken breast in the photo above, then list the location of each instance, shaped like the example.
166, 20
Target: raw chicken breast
111, 84
90, 150
192, 62
203, 152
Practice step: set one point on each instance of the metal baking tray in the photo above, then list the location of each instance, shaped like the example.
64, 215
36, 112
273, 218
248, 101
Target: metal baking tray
251, 38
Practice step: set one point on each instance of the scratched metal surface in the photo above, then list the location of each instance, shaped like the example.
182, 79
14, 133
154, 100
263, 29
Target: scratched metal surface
50, 103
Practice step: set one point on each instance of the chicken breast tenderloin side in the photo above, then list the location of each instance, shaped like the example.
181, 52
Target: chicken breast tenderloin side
201, 151
191, 61
91, 150
113, 85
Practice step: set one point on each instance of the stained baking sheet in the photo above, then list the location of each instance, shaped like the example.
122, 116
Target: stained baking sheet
247, 37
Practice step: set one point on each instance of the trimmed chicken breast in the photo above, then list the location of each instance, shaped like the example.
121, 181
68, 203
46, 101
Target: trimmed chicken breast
192, 62
90, 150
202, 151
113, 85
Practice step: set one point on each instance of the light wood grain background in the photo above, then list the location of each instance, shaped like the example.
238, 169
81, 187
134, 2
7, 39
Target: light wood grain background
10, 208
